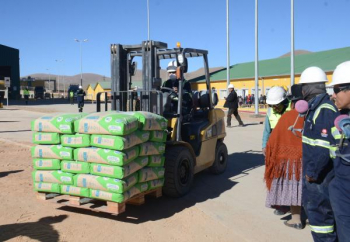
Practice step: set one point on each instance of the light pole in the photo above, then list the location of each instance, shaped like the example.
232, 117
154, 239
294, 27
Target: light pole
58, 75
81, 59
49, 78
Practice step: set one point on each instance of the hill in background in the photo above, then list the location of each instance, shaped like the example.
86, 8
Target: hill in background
91, 78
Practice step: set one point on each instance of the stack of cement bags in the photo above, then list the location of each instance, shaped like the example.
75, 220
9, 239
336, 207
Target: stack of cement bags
112, 156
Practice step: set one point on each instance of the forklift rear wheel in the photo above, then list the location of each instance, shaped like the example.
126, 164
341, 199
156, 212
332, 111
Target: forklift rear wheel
179, 169
221, 157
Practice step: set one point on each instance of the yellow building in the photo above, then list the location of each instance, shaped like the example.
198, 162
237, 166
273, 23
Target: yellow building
272, 72
102, 87
90, 92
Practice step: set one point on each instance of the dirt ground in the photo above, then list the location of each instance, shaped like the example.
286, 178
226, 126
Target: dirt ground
218, 208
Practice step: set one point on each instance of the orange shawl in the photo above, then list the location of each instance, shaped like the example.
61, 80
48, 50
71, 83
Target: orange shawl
284, 149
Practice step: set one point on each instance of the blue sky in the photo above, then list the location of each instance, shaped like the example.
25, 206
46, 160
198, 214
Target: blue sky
44, 30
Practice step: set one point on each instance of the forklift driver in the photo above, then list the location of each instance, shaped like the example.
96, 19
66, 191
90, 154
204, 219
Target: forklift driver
172, 81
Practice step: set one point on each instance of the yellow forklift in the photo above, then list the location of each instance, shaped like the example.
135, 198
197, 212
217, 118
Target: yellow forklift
195, 134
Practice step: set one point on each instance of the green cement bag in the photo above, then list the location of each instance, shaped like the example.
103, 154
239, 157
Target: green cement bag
151, 173
119, 171
119, 198
53, 177
156, 160
105, 156
152, 148
52, 151
119, 142
158, 136
46, 138
63, 123
76, 191
105, 183
150, 121
75, 140
46, 164
107, 123
155, 184
47, 187
77, 167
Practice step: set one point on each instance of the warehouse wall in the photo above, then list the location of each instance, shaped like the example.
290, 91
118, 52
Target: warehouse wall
247, 86
9, 67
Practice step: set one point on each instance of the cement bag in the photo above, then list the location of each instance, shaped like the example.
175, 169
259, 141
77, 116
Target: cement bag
47, 187
59, 124
75, 140
150, 121
105, 183
119, 198
53, 177
106, 123
75, 191
77, 167
105, 156
46, 164
158, 136
152, 148
52, 151
119, 142
119, 171
156, 160
155, 184
46, 138
151, 173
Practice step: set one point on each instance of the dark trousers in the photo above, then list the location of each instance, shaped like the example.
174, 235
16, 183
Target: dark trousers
339, 192
318, 208
72, 100
233, 111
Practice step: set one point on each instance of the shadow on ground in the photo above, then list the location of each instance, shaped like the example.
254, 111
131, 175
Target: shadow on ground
41, 230
206, 186
6, 173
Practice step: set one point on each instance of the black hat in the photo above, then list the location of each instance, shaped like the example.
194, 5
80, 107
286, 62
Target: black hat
296, 93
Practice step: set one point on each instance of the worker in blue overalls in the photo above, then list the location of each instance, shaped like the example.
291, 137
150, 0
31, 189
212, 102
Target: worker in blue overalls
317, 164
339, 188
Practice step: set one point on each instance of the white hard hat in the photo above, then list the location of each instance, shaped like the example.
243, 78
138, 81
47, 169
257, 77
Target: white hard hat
276, 95
230, 86
172, 66
313, 74
80, 87
341, 74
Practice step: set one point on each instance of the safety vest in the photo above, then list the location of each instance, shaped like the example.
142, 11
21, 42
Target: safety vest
71, 94
274, 117
26, 92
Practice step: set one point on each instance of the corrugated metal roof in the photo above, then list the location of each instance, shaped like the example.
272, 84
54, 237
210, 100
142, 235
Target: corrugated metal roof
105, 85
326, 60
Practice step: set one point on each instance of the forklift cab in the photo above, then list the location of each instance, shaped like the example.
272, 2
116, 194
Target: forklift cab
195, 129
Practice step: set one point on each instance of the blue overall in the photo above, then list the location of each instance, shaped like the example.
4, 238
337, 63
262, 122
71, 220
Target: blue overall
339, 191
317, 164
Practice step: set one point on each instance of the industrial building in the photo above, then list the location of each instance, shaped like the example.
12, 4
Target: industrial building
272, 72
9, 67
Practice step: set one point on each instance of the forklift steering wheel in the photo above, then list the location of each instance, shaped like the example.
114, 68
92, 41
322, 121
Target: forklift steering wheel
167, 89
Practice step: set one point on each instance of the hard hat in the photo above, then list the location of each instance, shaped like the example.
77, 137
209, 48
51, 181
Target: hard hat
172, 66
341, 74
276, 95
313, 74
80, 87
230, 86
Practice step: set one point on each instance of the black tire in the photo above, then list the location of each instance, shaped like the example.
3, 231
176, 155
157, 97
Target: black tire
221, 157
179, 170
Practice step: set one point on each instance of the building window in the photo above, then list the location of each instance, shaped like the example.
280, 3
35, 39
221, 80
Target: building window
222, 94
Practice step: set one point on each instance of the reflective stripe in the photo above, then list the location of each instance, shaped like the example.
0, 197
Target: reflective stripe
322, 229
335, 132
318, 110
332, 151
316, 142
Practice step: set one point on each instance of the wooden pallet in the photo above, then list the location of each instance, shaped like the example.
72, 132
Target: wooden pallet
98, 205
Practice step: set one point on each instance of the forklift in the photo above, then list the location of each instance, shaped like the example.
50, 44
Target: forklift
196, 135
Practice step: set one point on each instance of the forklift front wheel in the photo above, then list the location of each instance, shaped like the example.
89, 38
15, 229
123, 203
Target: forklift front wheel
221, 157
179, 169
